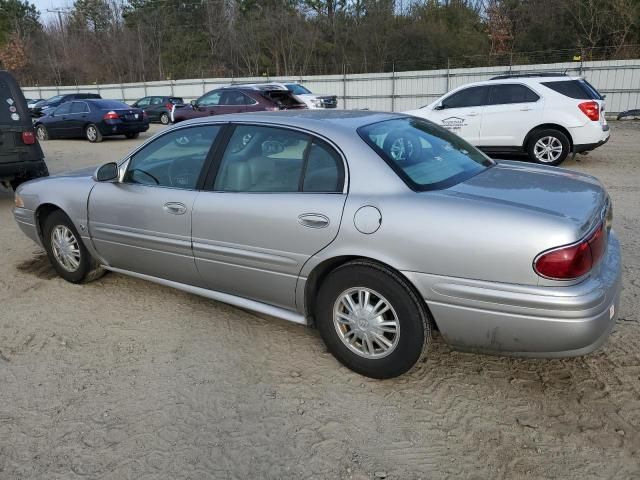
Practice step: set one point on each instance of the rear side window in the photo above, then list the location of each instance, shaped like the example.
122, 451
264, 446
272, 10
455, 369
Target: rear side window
469, 97
282, 98
79, 107
511, 93
270, 160
578, 89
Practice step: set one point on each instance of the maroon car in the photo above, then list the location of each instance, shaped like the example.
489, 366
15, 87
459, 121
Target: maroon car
237, 100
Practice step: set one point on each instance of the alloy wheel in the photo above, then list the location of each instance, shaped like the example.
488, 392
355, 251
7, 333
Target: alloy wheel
366, 322
547, 149
92, 134
65, 248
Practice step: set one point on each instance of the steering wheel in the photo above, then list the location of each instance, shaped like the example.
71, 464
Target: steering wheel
130, 175
183, 173
401, 146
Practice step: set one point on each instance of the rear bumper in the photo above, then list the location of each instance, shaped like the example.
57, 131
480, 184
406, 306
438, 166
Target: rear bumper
587, 147
122, 128
29, 169
523, 320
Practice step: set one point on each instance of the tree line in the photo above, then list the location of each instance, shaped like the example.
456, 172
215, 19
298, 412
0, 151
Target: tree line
111, 41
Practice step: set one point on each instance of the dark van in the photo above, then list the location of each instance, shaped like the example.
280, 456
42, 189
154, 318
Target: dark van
21, 157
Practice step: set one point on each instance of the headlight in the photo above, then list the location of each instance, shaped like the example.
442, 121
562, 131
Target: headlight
17, 200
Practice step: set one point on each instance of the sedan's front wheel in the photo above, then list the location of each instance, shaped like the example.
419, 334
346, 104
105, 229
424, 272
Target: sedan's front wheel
371, 320
66, 252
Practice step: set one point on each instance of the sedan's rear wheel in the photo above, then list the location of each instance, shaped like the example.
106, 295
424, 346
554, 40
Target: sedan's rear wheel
93, 134
66, 252
548, 147
371, 320
164, 119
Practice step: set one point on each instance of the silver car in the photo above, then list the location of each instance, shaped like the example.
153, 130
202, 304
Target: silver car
376, 228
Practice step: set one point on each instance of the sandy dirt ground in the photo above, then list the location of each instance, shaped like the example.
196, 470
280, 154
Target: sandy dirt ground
123, 379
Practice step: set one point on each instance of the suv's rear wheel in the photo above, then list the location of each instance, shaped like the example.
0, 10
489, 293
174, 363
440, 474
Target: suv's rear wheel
371, 320
66, 252
548, 147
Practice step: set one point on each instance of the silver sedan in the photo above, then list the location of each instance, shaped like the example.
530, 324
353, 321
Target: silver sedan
376, 228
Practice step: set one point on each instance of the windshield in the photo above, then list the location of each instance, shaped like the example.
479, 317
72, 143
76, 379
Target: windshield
297, 89
424, 155
53, 99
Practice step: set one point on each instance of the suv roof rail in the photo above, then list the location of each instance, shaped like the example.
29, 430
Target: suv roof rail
527, 75
254, 85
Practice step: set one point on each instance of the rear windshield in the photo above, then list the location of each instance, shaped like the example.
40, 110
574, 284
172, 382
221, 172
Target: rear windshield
578, 89
297, 89
176, 100
425, 156
281, 97
111, 105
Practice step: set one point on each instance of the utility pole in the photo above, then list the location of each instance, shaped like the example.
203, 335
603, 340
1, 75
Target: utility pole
59, 11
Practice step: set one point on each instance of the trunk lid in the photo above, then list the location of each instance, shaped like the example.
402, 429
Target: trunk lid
578, 198
132, 115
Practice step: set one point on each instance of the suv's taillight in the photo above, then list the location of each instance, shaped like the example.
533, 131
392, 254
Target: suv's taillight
572, 261
111, 116
591, 109
28, 137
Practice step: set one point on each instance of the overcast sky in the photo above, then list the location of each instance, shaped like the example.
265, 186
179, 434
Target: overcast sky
44, 5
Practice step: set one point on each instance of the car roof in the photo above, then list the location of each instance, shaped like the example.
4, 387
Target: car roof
328, 123
529, 80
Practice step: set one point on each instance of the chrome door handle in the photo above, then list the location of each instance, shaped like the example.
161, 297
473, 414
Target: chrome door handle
313, 220
472, 114
525, 109
175, 208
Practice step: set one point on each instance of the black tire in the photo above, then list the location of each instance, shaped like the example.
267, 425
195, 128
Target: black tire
93, 133
132, 135
41, 133
557, 138
88, 269
411, 312
41, 171
164, 118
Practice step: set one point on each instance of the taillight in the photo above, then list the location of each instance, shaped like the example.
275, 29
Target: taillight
144, 114
169, 105
573, 261
28, 137
591, 109
111, 116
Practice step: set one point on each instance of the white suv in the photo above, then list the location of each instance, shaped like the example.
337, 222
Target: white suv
545, 116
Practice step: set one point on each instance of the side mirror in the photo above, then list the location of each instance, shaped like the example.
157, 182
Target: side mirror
439, 107
193, 103
107, 172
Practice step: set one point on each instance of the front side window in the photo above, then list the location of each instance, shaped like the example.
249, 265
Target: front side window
511, 93
425, 156
63, 109
267, 159
469, 97
210, 99
173, 160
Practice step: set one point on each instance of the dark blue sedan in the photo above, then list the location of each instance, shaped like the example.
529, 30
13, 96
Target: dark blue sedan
93, 120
